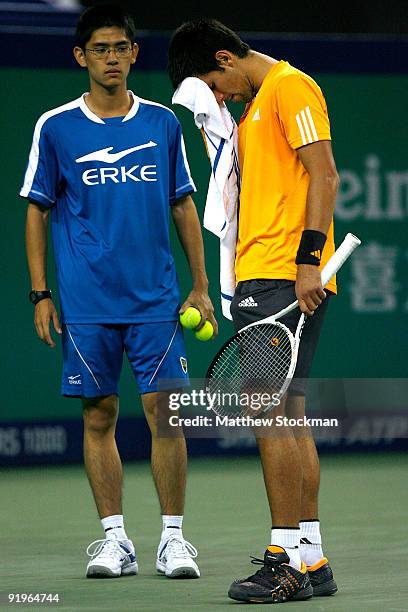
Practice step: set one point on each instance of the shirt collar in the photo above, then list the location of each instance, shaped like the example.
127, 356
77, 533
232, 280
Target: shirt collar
88, 113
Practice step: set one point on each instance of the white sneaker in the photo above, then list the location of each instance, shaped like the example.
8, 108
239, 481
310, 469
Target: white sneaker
175, 558
111, 558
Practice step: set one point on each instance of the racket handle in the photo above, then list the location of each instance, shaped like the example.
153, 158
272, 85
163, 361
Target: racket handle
344, 251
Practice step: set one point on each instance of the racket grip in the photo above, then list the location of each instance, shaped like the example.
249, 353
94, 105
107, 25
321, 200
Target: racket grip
343, 252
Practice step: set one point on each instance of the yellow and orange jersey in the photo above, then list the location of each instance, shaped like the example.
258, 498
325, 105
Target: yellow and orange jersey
288, 112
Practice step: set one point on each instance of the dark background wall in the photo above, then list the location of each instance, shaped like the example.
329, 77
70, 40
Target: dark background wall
271, 16
315, 16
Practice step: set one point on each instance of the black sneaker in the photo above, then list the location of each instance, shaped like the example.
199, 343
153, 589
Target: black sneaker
321, 578
275, 582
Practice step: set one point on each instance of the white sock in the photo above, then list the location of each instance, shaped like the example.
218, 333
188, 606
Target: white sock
289, 539
310, 542
172, 525
114, 527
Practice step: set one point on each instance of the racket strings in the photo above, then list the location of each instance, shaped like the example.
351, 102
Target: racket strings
257, 361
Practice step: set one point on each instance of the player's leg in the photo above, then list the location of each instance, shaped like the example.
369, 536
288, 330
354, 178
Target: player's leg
311, 552
168, 454
114, 556
282, 575
169, 467
295, 408
282, 471
157, 356
92, 364
102, 462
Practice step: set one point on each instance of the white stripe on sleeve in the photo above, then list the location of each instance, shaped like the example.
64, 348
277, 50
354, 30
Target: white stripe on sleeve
35, 150
311, 123
183, 150
306, 126
300, 126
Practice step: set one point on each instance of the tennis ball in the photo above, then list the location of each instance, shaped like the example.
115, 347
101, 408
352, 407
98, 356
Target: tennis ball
206, 332
190, 318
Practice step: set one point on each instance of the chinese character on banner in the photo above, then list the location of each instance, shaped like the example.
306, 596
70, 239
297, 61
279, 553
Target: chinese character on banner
373, 287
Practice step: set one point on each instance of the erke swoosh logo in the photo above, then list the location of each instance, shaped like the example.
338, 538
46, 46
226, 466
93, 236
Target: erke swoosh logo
103, 155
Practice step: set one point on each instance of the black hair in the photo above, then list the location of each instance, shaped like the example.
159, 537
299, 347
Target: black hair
193, 47
103, 16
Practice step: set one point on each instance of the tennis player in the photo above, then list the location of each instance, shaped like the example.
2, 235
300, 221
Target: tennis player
109, 168
288, 191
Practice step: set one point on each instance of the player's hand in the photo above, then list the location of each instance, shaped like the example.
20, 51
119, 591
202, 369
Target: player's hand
309, 290
200, 299
44, 313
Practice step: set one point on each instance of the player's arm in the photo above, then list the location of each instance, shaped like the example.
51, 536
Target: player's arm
189, 232
317, 158
36, 247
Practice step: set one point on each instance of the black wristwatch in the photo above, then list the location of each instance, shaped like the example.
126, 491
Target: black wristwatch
37, 296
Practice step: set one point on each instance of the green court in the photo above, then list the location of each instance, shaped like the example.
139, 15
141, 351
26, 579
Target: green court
48, 519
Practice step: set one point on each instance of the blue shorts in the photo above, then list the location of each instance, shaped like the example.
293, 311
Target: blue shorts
93, 356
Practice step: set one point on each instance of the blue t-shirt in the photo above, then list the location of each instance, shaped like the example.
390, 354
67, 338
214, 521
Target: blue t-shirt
109, 184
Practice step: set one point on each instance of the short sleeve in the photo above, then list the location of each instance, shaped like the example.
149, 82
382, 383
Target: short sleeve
41, 176
181, 182
302, 110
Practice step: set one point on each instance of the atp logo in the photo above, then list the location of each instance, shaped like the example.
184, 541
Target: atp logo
75, 380
100, 176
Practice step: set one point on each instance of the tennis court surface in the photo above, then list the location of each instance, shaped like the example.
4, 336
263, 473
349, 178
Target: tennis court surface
48, 519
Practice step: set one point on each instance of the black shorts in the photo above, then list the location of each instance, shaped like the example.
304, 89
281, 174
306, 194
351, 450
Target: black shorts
256, 299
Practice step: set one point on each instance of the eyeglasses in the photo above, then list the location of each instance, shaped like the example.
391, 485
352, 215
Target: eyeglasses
121, 52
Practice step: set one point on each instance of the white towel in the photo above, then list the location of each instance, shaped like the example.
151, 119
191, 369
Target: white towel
221, 137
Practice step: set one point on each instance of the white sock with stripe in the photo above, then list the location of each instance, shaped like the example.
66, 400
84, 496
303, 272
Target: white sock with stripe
172, 525
114, 527
310, 542
289, 539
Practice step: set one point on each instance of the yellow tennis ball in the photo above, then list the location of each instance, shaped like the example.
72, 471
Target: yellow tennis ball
206, 332
190, 318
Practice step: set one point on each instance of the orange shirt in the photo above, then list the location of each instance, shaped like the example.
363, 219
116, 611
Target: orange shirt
288, 112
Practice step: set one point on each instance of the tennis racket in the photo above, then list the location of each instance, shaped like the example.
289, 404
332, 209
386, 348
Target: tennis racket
260, 359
